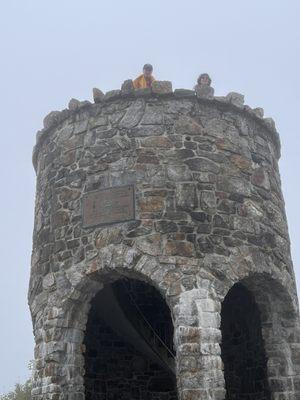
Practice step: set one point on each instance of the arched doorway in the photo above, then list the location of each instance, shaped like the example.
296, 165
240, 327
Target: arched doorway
129, 351
242, 349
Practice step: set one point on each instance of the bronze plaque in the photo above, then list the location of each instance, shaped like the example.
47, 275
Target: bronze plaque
108, 206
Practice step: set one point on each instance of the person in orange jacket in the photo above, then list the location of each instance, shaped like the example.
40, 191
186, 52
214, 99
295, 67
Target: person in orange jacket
146, 79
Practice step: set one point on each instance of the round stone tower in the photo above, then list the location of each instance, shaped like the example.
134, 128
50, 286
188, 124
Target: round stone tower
161, 264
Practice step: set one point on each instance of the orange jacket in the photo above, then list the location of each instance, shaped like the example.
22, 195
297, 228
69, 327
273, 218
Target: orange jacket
141, 83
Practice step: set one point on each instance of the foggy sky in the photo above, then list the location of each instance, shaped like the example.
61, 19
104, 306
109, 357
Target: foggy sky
54, 50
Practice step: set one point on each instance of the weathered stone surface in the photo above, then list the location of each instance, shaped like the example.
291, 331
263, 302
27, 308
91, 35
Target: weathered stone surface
127, 87
209, 214
178, 173
162, 87
184, 93
202, 164
260, 178
166, 226
188, 126
208, 200
151, 204
74, 104
221, 99
145, 92
148, 130
53, 118
98, 95
184, 249
152, 116
61, 218
147, 157
80, 127
133, 114
235, 186
270, 123
157, 142
111, 94
150, 244
259, 112
236, 99
107, 237
186, 196
241, 162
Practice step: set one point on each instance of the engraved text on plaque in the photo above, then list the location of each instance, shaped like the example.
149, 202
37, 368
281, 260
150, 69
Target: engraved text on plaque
108, 206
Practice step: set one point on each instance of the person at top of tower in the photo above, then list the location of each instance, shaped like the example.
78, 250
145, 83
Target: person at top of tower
146, 79
204, 80
203, 88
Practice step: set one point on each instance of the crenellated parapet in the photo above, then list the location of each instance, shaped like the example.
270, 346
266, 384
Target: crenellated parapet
232, 100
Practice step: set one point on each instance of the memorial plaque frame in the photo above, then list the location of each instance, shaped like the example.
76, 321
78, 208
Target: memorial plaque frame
102, 207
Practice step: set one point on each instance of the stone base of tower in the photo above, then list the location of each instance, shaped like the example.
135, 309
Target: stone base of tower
195, 302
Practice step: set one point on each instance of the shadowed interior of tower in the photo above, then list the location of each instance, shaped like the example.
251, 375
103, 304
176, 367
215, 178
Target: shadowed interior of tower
129, 344
243, 353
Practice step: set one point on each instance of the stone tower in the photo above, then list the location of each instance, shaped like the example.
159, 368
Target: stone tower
161, 264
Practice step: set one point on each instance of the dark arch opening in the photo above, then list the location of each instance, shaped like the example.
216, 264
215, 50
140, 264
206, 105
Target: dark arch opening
129, 351
242, 348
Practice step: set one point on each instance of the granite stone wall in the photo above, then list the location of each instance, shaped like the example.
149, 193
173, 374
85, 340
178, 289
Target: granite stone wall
209, 213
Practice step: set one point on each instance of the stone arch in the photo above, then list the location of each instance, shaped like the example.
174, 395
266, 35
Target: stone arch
131, 355
114, 262
242, 347
89, 279
280, 329
279, 325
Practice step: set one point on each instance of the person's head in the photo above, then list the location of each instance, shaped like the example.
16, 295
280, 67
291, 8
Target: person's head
147, 70
204, 79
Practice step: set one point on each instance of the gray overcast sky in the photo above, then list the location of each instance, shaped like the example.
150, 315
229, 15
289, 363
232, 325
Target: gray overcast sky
54, 50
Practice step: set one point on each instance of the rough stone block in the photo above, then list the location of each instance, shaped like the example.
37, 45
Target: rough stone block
145, 92
186, 196
270, 123
179, 248
203, 165
157, 142
80, 127
39, 134
148, 130
260, 178
177, 173
236, 99
112, 94
127, 87
208, 200
133, 114
166, 226
184, 93
52, 119
234, 185
242, 163
259, 112
162, 87
188, 126
98, 95
151, 204
150, 244
73, 105
152, 116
